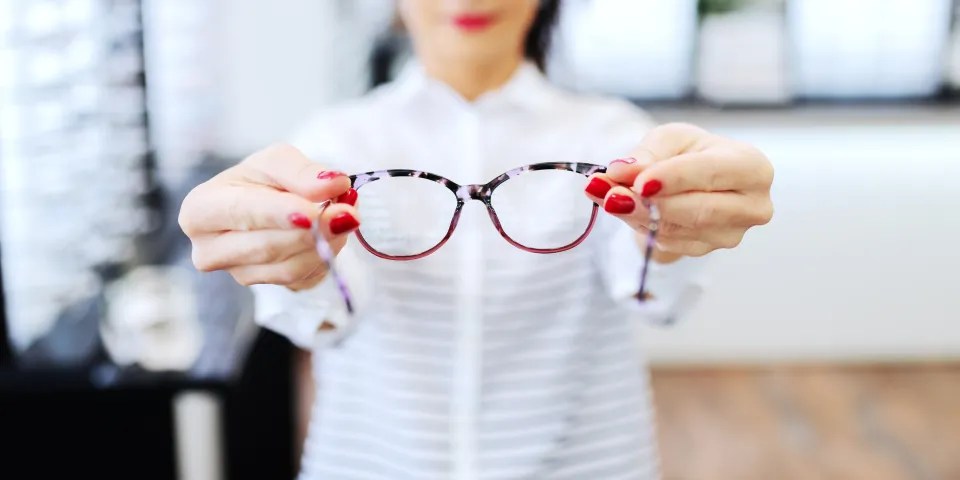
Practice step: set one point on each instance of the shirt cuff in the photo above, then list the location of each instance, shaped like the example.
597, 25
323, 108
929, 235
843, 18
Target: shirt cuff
299, 315
672, 289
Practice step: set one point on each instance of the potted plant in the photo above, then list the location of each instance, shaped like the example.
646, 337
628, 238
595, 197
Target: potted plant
707, 8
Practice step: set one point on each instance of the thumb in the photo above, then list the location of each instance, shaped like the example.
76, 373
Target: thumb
286, 168
660, 143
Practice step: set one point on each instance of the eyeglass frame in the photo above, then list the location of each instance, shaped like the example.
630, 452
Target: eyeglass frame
484, 194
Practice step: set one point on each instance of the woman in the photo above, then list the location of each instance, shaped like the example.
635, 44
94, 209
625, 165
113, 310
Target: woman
479, 360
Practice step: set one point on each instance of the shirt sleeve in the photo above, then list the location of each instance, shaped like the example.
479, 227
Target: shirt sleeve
672, 289
299, 315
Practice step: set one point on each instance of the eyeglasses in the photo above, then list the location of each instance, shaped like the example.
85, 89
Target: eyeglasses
538, 208
326, 254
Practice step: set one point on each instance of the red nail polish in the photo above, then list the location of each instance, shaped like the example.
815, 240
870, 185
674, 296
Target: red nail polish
651, 188
598, 188
619, 204
328, 175
343, 223
627, 160
299, 220
350, 197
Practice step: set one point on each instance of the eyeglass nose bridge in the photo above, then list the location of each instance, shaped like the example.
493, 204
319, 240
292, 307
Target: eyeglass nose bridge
474, 192
481, 193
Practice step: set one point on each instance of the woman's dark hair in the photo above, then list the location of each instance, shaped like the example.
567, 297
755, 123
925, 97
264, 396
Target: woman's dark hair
536, 46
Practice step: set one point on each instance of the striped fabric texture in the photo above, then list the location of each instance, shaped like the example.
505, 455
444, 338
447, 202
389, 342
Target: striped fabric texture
480, 361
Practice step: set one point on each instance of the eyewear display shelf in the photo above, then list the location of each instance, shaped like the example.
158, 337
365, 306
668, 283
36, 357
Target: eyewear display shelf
78, 100
65, 423
231, 416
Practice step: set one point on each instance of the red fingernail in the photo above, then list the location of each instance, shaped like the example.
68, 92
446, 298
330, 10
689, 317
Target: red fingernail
619, 204
598, 188
350, 197
329, 175
343, 223
651, 188
299, 220
627, 160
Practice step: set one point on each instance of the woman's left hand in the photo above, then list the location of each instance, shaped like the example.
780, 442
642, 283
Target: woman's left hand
710, 190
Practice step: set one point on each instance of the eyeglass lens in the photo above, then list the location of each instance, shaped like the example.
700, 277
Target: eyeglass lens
407, 216
542, 209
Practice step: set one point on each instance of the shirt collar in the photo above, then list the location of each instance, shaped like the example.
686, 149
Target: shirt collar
526, 88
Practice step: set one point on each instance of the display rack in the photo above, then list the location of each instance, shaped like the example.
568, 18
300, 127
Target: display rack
75, 148
84, 201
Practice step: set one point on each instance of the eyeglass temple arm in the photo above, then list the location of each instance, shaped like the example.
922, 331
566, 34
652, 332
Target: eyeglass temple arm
328, 257
648, 253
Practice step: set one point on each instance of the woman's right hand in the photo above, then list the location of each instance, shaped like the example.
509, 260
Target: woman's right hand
254, 220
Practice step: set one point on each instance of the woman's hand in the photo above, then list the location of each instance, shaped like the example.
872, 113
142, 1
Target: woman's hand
710, 190
254, 220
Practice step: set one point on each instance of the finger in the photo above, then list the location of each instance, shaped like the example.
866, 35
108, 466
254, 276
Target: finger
349, 197
626, 205
284, 167
597, 187
724, 238
716, 237
623, 203
660, 143
689, 248
712, 170
643, 234
625, 170
293, 270
672, 139
706, 210
233, 249
216, 208
337, 222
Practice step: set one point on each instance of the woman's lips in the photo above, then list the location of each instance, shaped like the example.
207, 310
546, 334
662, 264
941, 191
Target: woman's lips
472, 21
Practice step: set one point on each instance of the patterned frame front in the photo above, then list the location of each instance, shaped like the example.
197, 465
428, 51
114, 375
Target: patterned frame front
482, 193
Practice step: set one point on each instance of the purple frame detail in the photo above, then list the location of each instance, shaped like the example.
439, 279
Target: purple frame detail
651, 243
326, 254
482, 193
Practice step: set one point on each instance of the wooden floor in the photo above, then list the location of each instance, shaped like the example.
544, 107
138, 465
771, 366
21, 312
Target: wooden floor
876, 423
803, 423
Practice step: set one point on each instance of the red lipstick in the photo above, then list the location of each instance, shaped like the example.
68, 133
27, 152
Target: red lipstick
472, 22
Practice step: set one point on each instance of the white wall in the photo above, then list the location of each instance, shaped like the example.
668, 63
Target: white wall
275, 67
861, 261
283, 59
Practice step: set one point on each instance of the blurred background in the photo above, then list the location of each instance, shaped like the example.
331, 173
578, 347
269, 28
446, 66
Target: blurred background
825, 347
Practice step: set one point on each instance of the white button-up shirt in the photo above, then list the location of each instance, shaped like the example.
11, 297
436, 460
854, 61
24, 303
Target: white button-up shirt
480, 361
